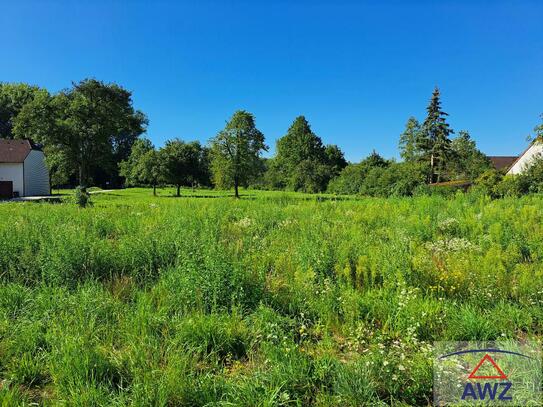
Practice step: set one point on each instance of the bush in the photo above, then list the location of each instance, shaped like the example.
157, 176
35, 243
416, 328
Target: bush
398, 179
512, 186
487, 182
534, 176
81, 197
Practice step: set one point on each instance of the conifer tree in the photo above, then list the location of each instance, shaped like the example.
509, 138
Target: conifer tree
434, 141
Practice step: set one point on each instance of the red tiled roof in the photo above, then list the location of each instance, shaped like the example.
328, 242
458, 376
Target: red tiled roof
502, 162
14, 151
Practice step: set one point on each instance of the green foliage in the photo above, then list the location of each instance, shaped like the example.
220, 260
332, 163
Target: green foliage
183, 163
235, 152
410, 140
434, 143
130, 168
13, 97
374, 176
496, 185
351, 179
533, 176
539, 130
302, 162
81, 197
398, 179
511, 186
488, 181
93, 125
466, 161
334, 159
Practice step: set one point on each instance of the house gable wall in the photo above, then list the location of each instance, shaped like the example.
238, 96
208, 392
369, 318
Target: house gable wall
36, 175
13, 172
526, 159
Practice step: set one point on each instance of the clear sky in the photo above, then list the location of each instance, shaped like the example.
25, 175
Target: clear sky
356, 70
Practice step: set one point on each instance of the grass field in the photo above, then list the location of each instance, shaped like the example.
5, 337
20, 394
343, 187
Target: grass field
273, 299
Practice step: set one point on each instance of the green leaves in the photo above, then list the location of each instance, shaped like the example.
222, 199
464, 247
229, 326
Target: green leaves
302, 162
93, 126
235, 152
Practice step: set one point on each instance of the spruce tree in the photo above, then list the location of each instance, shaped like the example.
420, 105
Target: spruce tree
434, 141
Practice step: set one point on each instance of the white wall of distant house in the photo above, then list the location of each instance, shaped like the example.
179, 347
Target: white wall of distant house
36, 176
524, 162
13, 172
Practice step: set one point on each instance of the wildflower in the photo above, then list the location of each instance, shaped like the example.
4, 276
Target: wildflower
244, 223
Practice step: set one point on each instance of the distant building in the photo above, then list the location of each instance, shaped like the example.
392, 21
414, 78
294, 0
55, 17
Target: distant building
518, 164
526, 159
22, 169
502, 163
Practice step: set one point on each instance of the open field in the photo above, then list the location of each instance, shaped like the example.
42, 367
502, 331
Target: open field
273, 299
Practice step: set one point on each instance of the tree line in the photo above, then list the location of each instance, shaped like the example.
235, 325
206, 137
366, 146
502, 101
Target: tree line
92, 135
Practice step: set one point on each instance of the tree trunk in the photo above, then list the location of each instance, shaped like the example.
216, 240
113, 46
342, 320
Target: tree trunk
432, 164
178, 190
236, 187
80, 175
154, 189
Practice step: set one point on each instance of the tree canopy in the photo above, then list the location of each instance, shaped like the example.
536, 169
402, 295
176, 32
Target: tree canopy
434, 142
410, 140
13, 97
302, 162
235, 152
94, 125
184, 163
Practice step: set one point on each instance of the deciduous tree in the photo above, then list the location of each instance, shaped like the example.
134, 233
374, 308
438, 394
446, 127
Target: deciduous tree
13, 97
94, 124
235, 152
183, 163
409, 140
466, 162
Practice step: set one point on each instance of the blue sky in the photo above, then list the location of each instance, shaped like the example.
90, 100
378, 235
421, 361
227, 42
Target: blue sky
356, 70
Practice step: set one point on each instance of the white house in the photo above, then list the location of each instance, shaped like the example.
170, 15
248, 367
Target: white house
526, 159
22, 169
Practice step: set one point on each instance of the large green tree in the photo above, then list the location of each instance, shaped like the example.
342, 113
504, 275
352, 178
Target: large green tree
150, 169
94, 125
335, 160
302, 162
128, 169
184, 163
434, 141
235, 152
13, 97
466, 162
144, 166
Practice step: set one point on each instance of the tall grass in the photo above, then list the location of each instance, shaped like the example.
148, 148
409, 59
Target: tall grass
275, 299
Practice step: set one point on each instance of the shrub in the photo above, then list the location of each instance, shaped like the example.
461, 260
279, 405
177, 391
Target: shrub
81, 197
487, 182
512, 186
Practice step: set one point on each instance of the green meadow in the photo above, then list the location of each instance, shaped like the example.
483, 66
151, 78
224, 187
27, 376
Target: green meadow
274, 299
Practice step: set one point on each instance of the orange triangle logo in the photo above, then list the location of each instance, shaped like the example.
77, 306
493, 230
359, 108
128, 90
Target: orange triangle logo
487, 358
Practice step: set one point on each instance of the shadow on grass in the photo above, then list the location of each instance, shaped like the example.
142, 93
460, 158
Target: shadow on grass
242, 196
